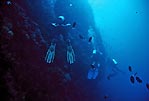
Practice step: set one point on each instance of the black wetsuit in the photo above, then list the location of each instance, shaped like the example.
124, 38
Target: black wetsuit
61, 29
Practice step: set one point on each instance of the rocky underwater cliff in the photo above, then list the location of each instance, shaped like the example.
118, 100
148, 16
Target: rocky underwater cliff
24, 40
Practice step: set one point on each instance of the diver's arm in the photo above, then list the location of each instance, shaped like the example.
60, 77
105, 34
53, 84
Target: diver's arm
67, 25
70, 26
70, 54
54, 24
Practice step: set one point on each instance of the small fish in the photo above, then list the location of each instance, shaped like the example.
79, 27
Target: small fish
90, 39
92, 66
147, 86
106, 96
108, 77
138, 79
130, 68
81, 37
74, 24
132, 79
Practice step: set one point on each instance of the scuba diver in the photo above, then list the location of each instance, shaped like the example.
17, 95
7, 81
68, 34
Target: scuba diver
94, 69
114, 69
96, 56
60, 29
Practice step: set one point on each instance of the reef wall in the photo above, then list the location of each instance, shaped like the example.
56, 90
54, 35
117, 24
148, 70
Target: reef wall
24, 39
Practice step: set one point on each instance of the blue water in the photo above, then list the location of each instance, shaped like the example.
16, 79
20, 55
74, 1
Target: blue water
124, 29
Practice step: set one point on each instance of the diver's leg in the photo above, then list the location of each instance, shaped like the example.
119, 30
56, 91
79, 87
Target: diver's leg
112, 74
49, 58
70, 51
51, 52
70, 54
46, 55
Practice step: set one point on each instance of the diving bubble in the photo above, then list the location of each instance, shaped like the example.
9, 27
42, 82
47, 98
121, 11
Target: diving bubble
94, 51
8, 2
70, 5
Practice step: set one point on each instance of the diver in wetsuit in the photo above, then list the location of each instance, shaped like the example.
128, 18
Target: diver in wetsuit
62, 29
94, 69
114, 68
